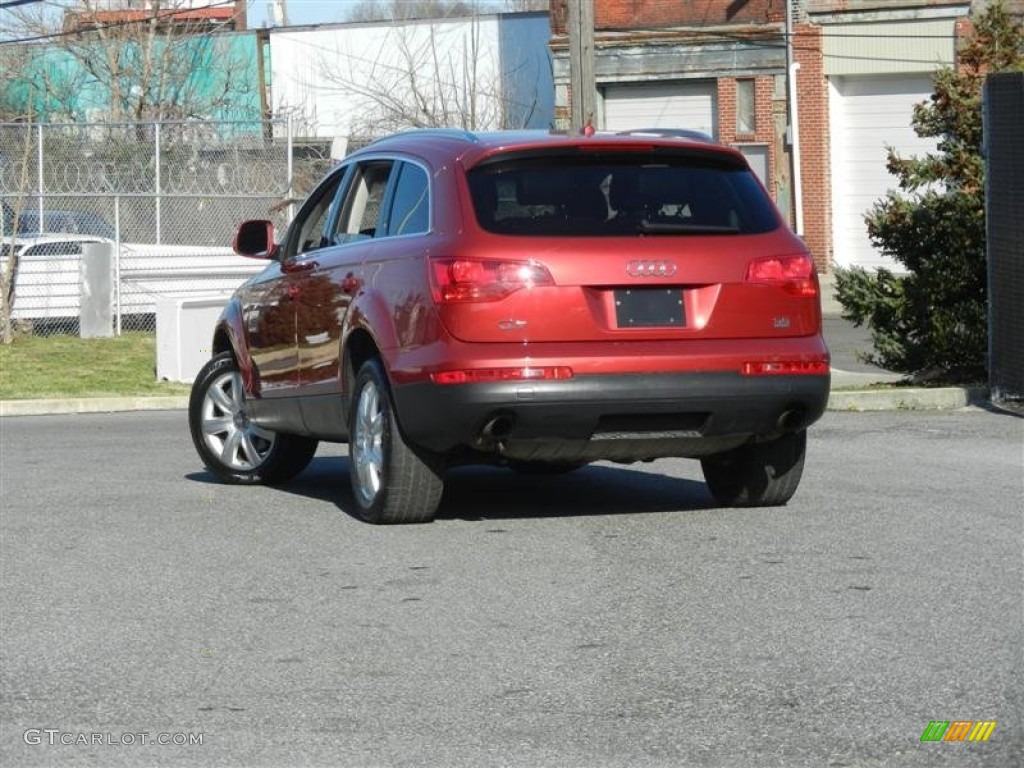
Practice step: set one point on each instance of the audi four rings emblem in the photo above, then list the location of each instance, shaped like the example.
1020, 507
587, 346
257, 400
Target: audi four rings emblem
642, 268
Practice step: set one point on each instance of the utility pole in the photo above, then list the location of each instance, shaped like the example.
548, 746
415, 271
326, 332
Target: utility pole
279, 12
793, 133
582, 86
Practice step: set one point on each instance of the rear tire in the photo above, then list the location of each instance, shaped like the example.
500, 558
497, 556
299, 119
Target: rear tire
757, 474
391, 482
231, 446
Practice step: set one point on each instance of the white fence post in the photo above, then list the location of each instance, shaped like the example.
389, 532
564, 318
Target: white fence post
117, 263
97, 281
39, 171
157, 183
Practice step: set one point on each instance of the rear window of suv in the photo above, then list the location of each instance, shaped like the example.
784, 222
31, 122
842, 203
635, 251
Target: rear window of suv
608, 194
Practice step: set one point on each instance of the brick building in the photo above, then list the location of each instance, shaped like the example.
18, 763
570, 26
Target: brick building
184, 16
720, 66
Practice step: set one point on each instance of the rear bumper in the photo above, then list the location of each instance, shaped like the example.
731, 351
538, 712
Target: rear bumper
625, 417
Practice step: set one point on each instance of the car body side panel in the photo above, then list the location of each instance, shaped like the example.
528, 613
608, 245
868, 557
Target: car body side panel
323, 303
269, 317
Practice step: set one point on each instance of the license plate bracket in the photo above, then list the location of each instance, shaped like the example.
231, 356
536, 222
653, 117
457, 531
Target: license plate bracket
649, 308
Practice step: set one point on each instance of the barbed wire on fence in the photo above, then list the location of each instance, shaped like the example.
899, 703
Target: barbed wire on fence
169, 195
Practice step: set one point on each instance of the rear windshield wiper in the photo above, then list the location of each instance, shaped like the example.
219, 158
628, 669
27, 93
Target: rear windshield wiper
666, 228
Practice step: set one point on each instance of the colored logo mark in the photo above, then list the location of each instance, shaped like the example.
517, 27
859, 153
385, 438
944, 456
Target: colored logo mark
958, 730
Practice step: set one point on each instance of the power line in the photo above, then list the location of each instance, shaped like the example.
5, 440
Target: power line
12, 3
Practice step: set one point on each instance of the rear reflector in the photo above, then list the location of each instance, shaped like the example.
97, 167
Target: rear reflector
483, 375
785, 368
794, 274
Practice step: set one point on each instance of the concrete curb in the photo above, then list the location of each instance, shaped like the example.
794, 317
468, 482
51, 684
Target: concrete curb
92, 405
895, 399
906, 399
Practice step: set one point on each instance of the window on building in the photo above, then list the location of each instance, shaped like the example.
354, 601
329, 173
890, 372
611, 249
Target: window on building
746, 114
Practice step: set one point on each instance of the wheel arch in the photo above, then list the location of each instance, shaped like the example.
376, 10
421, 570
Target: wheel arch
222, 341
360, 346
229, 336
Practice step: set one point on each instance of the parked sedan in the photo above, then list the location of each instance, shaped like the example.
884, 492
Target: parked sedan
62, 222
48, 280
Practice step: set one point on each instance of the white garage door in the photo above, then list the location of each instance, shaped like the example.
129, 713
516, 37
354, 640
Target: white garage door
676, 105
868, 114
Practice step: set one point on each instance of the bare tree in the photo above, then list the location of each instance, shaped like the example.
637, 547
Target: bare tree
426, 75
131, 61
522, 6
9, 213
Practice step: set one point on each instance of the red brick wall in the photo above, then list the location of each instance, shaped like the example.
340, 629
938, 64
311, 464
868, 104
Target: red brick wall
653, 14
633, 14
812, 107
764, 133
763, 90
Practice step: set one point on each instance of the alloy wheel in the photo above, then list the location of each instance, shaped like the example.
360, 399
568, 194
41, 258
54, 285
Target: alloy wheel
368, 443
227, 430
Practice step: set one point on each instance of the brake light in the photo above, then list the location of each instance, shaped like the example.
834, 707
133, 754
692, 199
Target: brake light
785, 368
482, 375
468, 280
794, 274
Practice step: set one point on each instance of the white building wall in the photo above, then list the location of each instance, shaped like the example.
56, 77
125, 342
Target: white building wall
373, 78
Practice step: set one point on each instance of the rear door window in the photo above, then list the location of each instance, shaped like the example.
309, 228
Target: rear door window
620, 194
410, 207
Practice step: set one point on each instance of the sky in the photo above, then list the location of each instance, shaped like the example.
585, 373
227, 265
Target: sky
300, 11
308, 11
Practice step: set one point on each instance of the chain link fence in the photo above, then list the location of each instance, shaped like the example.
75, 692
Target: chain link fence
168, 195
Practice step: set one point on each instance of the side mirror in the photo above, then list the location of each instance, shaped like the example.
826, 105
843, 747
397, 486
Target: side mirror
255, 239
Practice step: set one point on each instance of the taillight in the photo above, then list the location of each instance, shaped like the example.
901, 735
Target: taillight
467, 280
482, 375
794, 274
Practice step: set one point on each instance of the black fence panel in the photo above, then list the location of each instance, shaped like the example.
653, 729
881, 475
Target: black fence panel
1004, 195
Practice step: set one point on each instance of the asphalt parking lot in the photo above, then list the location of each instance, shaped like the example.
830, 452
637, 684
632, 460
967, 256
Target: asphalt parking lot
608, 618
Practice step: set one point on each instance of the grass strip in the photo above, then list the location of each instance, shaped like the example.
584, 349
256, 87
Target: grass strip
67, 366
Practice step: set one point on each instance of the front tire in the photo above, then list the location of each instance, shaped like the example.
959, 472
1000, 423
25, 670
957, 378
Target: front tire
391, 482
758, 474
231, 446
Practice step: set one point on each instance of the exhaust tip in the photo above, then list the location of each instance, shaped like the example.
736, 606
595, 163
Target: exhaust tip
496, 429
792, 420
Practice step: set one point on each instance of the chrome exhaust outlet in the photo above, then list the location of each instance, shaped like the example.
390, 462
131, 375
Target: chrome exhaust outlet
792, 420
496, 429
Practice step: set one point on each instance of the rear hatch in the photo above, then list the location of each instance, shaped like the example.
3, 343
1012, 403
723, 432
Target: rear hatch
588, 242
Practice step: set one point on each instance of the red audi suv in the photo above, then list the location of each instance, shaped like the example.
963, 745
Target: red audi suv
527, 299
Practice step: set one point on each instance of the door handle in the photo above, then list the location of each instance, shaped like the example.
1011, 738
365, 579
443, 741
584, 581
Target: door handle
350, 284
298, 267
